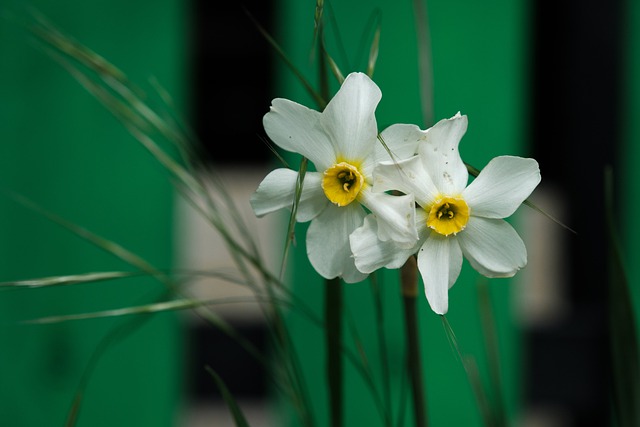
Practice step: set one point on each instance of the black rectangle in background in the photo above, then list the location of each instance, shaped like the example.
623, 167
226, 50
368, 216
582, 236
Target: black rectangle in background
230, 79
243, 374
575, 132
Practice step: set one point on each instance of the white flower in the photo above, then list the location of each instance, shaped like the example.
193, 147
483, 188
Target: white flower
342, 144
453, 219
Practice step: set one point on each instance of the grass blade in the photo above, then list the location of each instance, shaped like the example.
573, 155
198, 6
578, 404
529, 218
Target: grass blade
234, 408
69, 280
425, 61
473, 375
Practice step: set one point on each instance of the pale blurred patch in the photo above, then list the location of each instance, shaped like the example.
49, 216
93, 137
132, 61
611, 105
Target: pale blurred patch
541, 287
200, 247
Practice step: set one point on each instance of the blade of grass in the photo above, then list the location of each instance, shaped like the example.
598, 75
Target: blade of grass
72, 279
234, 408
473, 375
309, 88
100, 242
175, 305
373, 52
425, 61
114, 335
318, 23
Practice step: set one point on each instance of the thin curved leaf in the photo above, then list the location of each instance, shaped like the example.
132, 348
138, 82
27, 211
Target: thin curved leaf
238, 416
73, 279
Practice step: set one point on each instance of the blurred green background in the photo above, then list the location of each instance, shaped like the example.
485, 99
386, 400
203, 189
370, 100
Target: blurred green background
65, 152
560, 89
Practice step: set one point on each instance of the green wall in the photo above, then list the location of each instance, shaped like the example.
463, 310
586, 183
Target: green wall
60, 148
628, 188
479, 60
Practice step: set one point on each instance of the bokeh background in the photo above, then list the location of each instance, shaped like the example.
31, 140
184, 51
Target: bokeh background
553, 80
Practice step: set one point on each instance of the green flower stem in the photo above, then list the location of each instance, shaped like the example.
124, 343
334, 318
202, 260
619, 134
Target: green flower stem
409, 283
333, 319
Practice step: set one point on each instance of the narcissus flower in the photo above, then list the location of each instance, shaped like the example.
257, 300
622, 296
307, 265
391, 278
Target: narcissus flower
453, 219
342, 143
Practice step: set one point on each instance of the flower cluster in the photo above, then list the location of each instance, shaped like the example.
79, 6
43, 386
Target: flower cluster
374, 204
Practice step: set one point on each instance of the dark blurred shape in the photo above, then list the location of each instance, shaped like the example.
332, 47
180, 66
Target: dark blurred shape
244, 376
575, 130
230, 84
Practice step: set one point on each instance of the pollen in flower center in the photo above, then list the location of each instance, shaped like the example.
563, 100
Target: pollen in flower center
448, 215
342, 183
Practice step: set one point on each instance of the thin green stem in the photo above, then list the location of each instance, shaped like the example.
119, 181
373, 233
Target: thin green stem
384, 356
333, 316
492, 350
409, 282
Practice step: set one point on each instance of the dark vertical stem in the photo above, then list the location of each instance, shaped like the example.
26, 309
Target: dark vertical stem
333, 320
384, 356
409, 282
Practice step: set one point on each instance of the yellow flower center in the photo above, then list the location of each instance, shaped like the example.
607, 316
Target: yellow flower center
448, 215
342, 182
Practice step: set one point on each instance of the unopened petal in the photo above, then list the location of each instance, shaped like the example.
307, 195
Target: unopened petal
502, 186
493, 247
439, 262
328, 242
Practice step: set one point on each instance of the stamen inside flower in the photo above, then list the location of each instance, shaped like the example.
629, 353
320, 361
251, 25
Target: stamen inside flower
448, 215
342, 182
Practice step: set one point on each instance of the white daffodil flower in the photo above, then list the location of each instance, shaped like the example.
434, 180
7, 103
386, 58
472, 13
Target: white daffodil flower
342, 144
453, 219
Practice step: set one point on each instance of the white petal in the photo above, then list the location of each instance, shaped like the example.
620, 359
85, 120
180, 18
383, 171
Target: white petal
441, 156
502, 186
401, 140
328, 242
296, 128
407, 176
351, 274
277, 191
350, 117
371, 254
396, 216
493, 247
439, 262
